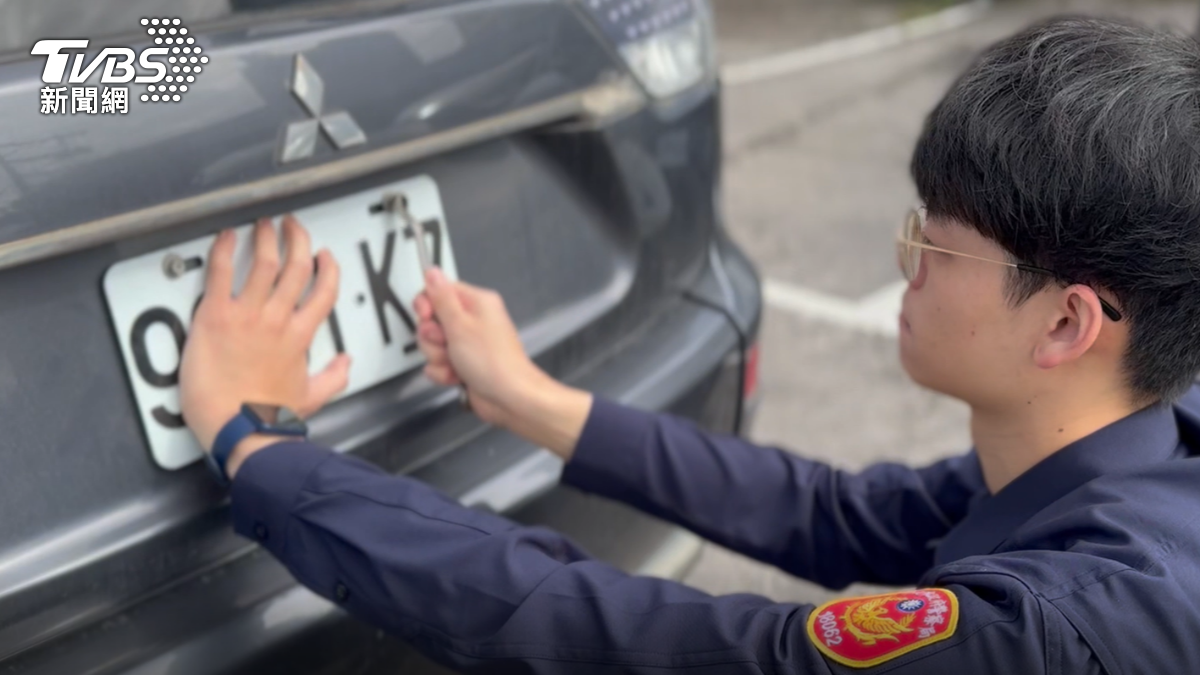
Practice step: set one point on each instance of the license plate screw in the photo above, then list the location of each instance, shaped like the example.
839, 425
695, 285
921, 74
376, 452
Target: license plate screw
395, 205
175, 266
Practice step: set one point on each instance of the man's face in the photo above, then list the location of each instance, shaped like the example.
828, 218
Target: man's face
958, 334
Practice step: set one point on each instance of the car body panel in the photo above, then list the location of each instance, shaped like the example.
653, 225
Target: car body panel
250, 616
594, 228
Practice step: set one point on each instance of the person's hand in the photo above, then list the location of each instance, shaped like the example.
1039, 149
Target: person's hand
253, 348
468, 338
485, 353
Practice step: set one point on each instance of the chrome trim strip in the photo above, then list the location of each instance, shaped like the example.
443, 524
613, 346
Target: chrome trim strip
595, 106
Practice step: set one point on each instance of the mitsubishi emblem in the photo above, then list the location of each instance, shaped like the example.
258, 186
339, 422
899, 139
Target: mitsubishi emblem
300, 138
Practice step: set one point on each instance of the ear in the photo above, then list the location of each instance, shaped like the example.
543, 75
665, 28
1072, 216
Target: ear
1072, 328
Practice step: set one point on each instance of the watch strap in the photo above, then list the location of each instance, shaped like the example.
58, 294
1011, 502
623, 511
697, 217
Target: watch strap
234, 431
243, 424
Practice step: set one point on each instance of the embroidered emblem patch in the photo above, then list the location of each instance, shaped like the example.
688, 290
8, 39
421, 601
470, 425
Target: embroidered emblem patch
865, 632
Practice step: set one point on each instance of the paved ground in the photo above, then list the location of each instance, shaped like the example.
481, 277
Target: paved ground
815, 183
752, 28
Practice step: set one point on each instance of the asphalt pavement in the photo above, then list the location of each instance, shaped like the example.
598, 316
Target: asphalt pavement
816, 182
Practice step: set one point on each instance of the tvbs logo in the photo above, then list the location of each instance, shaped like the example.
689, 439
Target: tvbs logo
118, 63
167, 67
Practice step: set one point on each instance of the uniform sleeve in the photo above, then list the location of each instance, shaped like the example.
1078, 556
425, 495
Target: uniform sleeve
828, 526
479, 593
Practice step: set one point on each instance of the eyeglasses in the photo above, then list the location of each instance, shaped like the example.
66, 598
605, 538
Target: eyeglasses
909, 246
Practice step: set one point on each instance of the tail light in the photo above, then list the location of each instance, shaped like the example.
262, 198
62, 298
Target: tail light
750, 376
668, 44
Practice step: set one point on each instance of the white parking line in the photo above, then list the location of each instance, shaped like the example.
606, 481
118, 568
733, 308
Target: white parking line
874, 314
788, 63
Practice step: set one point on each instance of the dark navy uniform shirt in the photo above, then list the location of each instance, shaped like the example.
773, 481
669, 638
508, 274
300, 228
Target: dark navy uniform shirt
1087, 563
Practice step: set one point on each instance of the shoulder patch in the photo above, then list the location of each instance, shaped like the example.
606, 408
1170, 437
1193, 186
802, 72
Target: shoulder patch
867, 631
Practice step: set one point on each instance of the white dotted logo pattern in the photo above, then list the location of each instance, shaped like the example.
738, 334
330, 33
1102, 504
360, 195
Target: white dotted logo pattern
185, 61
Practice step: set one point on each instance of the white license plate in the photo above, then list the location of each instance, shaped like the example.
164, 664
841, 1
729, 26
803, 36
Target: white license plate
372, 321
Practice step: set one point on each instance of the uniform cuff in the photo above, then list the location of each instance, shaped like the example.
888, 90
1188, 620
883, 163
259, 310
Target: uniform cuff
266, 487
610, 449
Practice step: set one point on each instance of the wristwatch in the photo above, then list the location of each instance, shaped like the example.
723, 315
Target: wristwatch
250, 420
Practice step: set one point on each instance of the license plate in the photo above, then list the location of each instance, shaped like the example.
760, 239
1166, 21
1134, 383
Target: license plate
151, 299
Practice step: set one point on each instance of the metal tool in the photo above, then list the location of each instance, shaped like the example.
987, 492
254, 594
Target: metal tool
396, 205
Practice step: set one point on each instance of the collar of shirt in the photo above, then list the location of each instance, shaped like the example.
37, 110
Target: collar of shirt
1145, 437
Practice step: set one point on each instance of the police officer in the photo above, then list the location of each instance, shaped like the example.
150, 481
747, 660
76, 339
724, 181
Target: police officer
1052, 287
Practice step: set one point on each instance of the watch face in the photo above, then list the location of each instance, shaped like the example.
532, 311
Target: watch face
264, 413
279, 419
286, 416
289, 421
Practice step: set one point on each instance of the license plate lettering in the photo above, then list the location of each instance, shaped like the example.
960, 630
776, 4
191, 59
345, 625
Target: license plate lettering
146, 369
382, 294
151, 304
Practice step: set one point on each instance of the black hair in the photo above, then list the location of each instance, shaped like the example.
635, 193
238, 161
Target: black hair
1075, 145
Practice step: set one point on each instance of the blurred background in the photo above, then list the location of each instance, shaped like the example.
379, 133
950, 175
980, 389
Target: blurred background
823, 102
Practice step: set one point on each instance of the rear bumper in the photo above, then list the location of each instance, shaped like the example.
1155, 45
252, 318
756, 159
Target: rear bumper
248, 615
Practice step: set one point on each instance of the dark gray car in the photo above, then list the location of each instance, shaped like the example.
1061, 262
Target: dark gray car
566, 153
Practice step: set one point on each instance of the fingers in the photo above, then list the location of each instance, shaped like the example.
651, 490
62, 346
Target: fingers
431, 333
266, 264
443, 294
324, 294
423, 307
442, 375
219, 284
432, 342
298, 270
326, 384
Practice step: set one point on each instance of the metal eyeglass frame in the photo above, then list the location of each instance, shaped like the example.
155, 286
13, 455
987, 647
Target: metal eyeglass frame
905, 244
